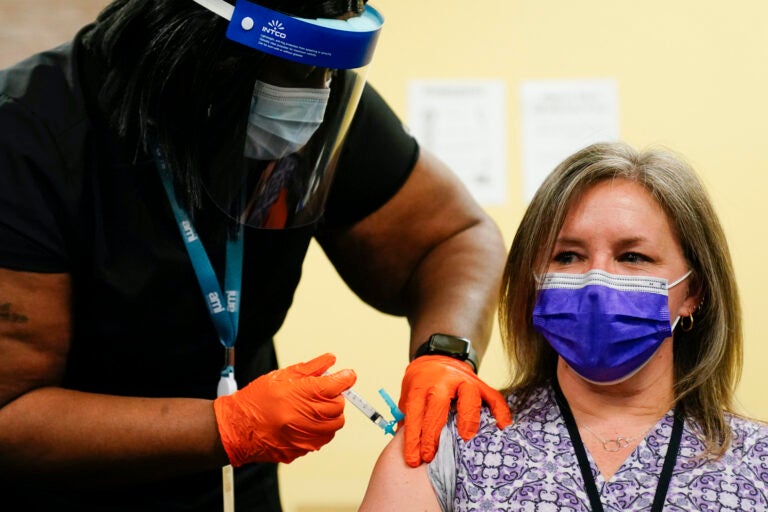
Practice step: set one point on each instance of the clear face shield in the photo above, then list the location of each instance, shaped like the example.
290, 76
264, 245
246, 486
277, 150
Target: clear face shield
304, 99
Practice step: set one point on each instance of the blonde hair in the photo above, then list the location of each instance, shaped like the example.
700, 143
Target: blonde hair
708, 358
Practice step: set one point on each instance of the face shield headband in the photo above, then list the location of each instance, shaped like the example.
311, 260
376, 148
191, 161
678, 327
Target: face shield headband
295, 133
321, 42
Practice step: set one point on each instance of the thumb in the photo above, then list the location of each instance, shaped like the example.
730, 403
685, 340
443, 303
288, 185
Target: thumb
330, 386
314, 366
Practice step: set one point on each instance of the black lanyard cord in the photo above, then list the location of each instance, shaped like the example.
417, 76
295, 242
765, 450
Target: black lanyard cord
669, 462
586, 472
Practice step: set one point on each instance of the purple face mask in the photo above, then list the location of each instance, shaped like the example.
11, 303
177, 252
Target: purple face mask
605, 326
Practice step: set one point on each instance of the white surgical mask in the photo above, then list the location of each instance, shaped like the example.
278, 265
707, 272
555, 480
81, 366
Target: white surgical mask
283, 119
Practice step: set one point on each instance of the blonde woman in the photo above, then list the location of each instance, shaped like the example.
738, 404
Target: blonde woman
621, 317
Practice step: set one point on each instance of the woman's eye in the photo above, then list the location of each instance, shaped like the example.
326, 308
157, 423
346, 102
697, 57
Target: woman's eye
565, 257
633, 257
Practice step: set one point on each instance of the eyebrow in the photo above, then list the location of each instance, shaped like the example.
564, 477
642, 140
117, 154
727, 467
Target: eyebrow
623, 242
630, 241
568, 240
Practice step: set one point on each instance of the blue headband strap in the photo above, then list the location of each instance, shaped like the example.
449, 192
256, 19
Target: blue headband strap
325, 43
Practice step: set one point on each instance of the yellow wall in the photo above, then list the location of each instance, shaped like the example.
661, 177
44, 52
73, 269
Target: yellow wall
691, 75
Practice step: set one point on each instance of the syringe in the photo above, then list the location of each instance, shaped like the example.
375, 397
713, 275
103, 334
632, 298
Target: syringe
371, 413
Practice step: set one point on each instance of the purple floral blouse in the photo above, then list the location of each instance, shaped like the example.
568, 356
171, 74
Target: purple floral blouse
531, 466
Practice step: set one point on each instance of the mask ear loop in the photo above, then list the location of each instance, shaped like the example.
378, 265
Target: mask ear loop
678, 281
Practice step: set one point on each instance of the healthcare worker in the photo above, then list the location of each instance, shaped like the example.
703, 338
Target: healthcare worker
161, 177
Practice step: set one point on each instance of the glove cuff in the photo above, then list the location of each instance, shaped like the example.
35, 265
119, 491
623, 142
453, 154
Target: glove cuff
226, 411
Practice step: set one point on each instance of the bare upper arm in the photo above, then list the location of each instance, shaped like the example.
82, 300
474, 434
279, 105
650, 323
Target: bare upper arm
35, 330
396, 486
432, 207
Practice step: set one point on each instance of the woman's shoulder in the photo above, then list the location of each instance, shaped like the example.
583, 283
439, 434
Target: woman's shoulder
747, 453
535, 405
746, 459
748, 433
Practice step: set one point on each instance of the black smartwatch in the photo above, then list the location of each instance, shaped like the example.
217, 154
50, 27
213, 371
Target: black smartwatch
448, 345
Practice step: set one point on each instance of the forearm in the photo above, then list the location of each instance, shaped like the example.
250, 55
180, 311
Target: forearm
454, 289
102, 439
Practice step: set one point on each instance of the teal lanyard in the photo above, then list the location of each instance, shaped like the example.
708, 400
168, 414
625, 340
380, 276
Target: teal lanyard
224, 308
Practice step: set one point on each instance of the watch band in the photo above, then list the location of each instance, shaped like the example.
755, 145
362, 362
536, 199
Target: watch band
451, 346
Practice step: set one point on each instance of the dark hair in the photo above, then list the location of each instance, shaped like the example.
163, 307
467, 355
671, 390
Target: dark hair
169, 68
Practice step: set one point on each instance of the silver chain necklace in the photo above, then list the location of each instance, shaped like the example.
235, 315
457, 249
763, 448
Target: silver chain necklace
612, 445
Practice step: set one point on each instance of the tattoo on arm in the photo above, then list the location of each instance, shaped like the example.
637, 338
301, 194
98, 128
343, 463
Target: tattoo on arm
6, 315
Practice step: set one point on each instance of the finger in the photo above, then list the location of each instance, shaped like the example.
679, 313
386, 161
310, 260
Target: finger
286, 457
314, 366
312, 437
327, 409
316, 433
414, 416
402, 403
468, 409
499, 407
334, 425
330, 386
435, 417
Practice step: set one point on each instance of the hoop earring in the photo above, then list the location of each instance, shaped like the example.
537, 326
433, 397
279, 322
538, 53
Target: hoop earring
690, 323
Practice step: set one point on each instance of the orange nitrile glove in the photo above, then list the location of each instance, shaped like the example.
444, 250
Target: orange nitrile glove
283, 414
429, 386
